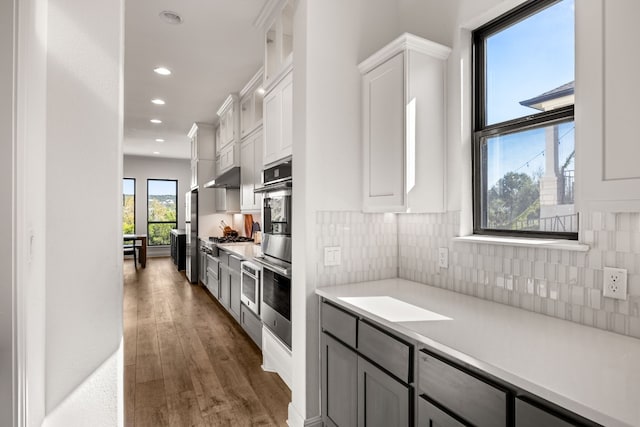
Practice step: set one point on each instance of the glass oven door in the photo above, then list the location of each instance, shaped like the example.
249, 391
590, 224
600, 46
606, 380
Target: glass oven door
276, 293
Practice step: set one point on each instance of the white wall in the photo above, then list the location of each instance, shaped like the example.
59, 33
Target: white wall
143, 168
6, 212
83, 194
330, 39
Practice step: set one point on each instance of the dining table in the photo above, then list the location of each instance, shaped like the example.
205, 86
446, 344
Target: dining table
143, 246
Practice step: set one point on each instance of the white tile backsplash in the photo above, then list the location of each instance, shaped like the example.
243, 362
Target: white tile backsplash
558, 283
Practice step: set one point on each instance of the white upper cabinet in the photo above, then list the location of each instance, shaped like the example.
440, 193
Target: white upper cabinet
606, 108
201, 136
278, 41
251, 99
278, 121
229, 123
403, 107
251, 173
228, 141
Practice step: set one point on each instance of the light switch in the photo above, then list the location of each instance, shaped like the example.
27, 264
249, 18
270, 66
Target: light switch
332, 256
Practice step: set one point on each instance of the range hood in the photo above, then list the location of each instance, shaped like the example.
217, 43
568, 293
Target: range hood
229, 179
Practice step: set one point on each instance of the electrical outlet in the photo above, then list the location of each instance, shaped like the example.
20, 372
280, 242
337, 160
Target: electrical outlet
332, 255
443, 257
615, 283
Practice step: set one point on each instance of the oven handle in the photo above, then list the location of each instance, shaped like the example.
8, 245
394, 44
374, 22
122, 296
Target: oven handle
284, 271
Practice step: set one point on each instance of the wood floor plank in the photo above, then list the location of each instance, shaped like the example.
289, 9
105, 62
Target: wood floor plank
187, 361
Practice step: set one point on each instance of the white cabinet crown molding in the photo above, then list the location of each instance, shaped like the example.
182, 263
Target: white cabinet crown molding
405, 42
227, 103
267, 12
255, 82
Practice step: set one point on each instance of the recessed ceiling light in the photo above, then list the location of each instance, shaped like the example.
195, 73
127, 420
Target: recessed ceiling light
156, 152
155, 121
158, 101
260, 91
170, 17
159, 140
162, 71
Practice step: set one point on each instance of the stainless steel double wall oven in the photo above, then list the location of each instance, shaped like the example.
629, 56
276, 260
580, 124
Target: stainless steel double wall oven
276, 246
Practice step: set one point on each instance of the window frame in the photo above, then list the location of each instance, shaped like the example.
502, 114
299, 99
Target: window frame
481, 131
160, 222
134, 201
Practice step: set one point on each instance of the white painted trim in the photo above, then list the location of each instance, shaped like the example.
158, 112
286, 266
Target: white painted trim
255, 81
403, 43
567, 245
284, 71
227, 103
267, 11
297, 420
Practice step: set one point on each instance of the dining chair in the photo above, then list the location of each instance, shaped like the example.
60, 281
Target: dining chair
131, 249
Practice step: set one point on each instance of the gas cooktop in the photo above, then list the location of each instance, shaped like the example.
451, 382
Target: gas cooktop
230, 239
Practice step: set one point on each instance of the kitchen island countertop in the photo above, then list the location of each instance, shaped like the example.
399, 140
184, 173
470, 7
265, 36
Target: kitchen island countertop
591, 372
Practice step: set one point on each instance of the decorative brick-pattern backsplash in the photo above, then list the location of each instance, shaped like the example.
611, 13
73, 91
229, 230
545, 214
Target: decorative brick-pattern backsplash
558, 283
369, 244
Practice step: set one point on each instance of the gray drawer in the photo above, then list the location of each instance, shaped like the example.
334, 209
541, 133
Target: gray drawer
234, 263
252, 324
528, 415
430, 416
339, 323
386, 350
212, 284
474, 400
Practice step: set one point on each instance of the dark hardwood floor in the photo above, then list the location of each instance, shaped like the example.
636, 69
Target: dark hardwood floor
186, 361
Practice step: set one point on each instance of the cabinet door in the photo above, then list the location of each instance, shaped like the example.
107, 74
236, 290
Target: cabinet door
225, 286
272, 126
247, 174
339, 367
430, 416
607, 171
286, 143
246, 115
528, 415
234, 298
227, 158
383, 133
382, 401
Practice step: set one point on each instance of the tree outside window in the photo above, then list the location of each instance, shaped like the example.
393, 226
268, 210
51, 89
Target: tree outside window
162, 210
128, 206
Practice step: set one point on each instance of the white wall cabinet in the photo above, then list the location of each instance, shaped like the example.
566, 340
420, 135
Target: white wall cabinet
607, 59
403, 107
202, 141
229, 123
251, 173
278, 42
251, 99
278, 121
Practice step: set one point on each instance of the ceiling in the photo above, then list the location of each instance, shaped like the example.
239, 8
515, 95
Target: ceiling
214, 52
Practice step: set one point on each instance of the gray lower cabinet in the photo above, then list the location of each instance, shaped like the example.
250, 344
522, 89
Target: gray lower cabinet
339, 383
225, 285
382, 400
252, 324
234, 294
203, 268
430, 416
357, 386
528, 415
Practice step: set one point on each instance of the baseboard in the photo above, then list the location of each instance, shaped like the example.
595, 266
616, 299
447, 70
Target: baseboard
297, 420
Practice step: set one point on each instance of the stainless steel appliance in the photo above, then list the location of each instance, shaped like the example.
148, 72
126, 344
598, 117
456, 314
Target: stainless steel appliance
191, 228
250, 285
275, 310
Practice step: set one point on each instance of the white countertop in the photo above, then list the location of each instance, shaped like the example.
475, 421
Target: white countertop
245, 250
591, 372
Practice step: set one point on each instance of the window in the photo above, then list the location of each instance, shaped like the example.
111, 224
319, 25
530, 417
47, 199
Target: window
128, 206
162, 210
523, 148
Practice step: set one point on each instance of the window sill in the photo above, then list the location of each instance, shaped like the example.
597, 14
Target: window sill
565, 245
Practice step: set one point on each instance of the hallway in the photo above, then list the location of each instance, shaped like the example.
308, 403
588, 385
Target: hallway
186, 361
